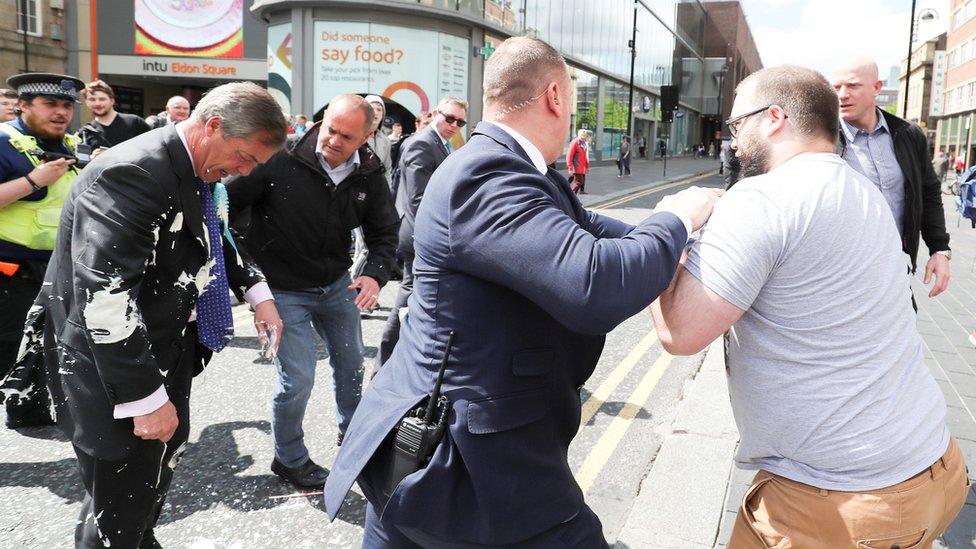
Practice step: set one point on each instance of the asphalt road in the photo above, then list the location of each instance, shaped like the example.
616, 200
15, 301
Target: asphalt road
225, 496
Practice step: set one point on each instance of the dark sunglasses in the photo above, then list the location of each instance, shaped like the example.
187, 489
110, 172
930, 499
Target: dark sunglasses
451, 120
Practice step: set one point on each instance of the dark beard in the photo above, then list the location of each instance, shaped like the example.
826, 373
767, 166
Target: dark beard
756, 161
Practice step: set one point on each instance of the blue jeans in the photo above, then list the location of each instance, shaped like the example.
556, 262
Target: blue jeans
332, 312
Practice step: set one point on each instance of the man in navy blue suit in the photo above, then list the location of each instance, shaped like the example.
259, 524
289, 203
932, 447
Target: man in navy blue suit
530, 282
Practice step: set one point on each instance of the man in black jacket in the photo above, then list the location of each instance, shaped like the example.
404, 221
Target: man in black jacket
893, 154
304, 205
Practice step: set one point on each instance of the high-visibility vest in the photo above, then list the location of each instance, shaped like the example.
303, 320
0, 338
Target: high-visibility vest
34, 224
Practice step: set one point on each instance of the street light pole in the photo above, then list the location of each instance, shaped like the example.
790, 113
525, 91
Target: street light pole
908, 65
633, 58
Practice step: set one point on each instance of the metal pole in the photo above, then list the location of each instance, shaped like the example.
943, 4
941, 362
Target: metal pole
24, 20
667, 140
908, 64
633, 58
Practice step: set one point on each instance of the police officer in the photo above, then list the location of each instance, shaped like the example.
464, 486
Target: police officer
36, 171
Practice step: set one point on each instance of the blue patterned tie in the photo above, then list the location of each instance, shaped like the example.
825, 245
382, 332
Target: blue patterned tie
215, 322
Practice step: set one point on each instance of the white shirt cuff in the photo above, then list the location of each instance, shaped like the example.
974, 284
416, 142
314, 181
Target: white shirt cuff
680, 215
258, 293
143, 406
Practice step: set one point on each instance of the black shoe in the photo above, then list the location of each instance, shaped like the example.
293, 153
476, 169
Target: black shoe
339, 438
19, 417
149, 541
306, 475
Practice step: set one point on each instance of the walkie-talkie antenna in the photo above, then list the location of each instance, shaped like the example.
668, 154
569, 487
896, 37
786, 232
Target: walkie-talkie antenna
436, 395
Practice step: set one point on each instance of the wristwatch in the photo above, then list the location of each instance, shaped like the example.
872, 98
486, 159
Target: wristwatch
33, 185
947, 253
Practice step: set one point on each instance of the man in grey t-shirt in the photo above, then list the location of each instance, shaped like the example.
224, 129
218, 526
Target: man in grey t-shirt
802, 264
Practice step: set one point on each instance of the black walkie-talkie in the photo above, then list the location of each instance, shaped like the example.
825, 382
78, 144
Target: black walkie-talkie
419, 432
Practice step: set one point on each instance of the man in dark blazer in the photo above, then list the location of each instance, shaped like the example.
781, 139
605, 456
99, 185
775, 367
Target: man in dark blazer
420, 156
496, 228
139, 277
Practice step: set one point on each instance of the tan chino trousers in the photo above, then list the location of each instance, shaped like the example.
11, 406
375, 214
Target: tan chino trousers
778, 513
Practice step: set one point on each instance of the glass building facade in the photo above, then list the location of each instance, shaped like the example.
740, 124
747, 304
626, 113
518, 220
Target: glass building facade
592, 35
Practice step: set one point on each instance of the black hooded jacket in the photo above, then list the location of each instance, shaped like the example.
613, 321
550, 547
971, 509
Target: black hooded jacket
293, 221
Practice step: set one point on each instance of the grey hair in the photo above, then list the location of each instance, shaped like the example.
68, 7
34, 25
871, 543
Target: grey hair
245, 110
519, 72
176, 98
450, 100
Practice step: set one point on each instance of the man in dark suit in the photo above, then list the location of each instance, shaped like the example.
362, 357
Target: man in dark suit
420, 156
140, 252
530, 283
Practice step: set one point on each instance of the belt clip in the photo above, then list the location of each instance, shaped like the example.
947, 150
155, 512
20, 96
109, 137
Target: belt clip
9, 269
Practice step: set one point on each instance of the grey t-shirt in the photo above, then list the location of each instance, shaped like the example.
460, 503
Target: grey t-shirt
826, 376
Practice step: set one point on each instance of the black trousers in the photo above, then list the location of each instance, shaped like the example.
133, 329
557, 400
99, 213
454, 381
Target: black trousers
391, 332
123, 498
17, 294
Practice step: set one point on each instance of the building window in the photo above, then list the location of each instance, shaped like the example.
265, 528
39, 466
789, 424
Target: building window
587, 103
32, 8
615, 112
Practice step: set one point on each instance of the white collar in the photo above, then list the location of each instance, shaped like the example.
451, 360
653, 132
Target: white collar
433, 128
179, 132
534, 154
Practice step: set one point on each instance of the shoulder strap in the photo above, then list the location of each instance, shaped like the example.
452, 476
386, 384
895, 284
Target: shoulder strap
22, 143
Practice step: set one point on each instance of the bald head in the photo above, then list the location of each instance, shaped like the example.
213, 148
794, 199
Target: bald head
857, 85
177, 108
864, 67
518, 72
348, 103
527, 87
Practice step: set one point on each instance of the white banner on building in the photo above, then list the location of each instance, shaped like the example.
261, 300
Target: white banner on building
410, 66
217, 69
936, 103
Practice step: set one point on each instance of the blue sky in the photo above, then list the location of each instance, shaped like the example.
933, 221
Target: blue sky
821, 33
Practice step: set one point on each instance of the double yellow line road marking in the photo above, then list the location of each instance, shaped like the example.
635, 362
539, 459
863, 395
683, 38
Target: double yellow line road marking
608, 442
640, 194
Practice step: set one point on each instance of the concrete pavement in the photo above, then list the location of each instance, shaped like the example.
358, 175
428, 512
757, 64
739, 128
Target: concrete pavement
692, 492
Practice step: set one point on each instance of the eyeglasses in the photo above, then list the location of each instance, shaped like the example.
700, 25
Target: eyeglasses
735, 122
452, 120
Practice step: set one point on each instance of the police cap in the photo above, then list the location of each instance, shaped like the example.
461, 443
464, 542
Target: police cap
60, 86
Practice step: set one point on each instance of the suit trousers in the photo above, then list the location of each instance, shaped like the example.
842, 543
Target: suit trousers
782, 513
17, 294
391, 332
582, 530
123, 498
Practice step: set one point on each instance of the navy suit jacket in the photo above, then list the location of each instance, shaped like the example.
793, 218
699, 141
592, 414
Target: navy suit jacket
530, 282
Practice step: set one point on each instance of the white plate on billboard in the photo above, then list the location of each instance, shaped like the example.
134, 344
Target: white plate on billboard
189, 23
